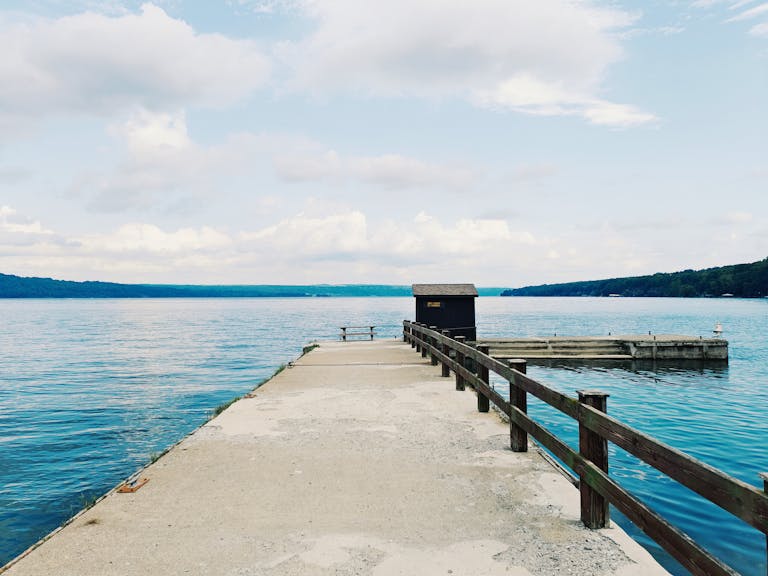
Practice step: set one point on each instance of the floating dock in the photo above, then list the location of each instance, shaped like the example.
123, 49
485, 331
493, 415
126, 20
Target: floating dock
628, 347
357, 459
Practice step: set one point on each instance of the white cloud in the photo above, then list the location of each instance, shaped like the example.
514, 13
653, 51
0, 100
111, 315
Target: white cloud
14, 174
751, 13
742, 15
540, 58
349, 246
162, 169
151, 239
303, 236
527, 94
736, 218
348, 236
352, 246
301, 166
525, 172
466, 237
149, 133
732, 4
428, 45
264, 6
759, 29
93, 63
11, 222
161, 166
133, 252
638, 32
308, 162
618, 115
397, 171
740, 4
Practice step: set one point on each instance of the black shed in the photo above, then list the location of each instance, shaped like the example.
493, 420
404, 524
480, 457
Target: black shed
447, 306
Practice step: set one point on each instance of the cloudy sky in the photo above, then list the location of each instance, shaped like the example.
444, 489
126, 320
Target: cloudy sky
500, 142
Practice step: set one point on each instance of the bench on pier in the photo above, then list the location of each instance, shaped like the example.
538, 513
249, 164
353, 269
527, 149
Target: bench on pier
357, 332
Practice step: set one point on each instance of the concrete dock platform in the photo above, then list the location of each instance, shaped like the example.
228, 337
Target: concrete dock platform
663, 347
358, 459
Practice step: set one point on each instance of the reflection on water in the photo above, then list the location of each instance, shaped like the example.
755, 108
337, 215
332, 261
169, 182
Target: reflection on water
705, 368
90, 389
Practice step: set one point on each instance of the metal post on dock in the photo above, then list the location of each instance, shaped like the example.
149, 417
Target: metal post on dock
593, 447
432, 348
483, 403
518, 438
446, 350
460, 361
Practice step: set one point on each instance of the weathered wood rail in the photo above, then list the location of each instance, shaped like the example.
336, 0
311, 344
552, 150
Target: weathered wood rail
471, 365
357, 331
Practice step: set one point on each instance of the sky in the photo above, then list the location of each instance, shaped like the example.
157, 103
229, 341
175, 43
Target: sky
499, 142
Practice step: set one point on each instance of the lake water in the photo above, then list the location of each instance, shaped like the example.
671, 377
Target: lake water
90, 390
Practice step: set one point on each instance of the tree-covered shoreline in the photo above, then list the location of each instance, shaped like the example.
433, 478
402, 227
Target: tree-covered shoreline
20, 287
739, 280
12, 286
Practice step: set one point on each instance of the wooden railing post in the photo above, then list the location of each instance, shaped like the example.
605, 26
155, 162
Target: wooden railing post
593, 447
469, 364
344, 333
411, 334
432, 346
372, 327
418, 338
446, 350
460, 361
764, 476
518, 438
424, 342
483, 404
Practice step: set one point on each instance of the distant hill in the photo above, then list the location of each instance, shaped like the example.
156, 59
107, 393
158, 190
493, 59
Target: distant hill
740, 280
20, 287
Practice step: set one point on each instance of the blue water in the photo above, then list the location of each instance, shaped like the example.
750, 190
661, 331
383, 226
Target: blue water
90, 390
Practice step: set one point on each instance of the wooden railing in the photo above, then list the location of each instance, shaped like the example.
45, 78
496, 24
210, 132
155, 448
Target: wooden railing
357, 331
471, 365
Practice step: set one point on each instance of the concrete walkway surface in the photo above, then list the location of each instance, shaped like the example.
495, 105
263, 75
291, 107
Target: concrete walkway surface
360, 459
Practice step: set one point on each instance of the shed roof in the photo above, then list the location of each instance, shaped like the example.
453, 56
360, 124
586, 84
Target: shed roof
444, 290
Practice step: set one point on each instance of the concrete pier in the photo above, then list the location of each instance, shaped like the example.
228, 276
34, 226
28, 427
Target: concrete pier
358, 459
629, 347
